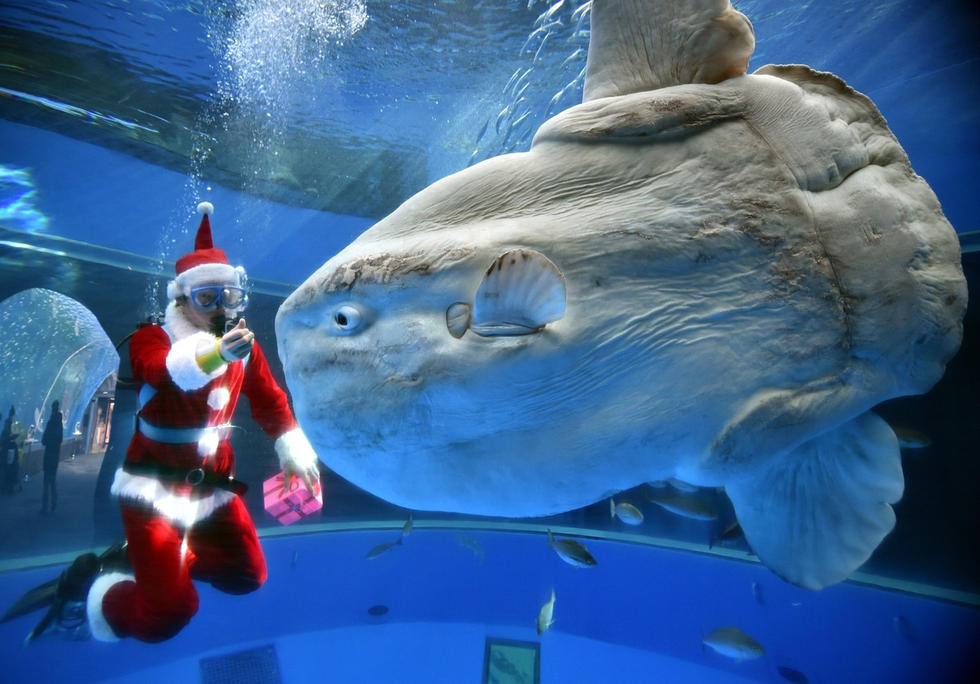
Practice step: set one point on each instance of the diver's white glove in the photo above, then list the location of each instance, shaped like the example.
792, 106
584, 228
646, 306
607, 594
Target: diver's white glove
297, 460
236, 343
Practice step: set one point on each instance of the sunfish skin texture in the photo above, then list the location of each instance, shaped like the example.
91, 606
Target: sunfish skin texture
749, 265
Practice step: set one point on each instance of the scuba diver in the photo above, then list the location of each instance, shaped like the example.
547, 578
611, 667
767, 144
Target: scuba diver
181, 505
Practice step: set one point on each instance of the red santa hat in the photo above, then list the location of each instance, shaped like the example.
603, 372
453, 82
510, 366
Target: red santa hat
206, 264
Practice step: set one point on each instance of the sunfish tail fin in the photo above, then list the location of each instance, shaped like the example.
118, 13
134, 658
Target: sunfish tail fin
817, 513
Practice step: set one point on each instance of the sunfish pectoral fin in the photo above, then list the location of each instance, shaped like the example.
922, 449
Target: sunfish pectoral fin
521, 292
817, 513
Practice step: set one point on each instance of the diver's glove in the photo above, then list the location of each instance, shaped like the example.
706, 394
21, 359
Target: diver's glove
236, 343
297, 460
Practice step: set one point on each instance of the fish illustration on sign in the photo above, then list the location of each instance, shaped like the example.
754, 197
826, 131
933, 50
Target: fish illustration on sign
695, 265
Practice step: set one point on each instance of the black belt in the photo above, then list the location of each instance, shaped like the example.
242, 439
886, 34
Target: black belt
192, 476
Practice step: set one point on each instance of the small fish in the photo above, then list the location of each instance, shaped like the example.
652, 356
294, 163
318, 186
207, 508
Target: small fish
511, 80
407, 527
544, 41
575, 55
791, 675
732, 531
295, 559
479, 136
534, 34
523, 90
553, 102
732, 642
909, 438
519, 119
582, 10
757, 594
904, 628
689, 507
550, 12
500, 118
472, 545
572, 552
546, 616
626, 512
381, 548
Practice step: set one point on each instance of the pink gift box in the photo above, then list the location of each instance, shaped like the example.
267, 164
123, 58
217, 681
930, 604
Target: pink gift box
297, 503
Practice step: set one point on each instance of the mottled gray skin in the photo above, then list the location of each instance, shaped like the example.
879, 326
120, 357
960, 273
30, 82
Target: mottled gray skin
751, 265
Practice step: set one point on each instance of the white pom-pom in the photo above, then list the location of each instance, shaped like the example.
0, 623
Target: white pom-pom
218, 398
205, 208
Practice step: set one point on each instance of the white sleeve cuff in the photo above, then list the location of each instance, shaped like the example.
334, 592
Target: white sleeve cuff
182, 362
294, 447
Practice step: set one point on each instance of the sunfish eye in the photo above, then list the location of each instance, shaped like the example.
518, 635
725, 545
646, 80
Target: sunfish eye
347, 319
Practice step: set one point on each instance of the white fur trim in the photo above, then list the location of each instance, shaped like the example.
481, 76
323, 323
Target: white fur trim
205, 208
100, 627
205, 274
182, 362
218, 398
294, 447
177, 324
178, 508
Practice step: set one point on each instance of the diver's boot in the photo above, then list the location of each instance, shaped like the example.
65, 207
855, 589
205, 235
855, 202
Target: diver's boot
67, 612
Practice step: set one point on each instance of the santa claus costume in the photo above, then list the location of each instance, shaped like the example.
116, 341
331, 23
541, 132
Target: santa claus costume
181, 507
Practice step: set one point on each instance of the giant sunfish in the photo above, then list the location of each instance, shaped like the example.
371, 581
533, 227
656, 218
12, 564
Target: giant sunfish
696, 273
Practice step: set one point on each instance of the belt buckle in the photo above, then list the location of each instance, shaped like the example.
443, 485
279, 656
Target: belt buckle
195, 477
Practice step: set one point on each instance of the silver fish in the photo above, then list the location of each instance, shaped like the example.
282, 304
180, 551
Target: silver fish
687, 506
546, 616
910, 438
382, 548
572, 552
733, 643
407, 527
473, 545
626, 512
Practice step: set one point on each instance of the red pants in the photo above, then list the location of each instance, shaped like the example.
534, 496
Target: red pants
222, 549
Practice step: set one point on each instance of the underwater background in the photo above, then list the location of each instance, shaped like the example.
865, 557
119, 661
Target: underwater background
305, 122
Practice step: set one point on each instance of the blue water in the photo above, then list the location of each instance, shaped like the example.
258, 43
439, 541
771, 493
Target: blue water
117, 117
639, 613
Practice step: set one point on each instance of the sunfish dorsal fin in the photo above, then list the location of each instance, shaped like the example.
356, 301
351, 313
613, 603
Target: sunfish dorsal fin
815, 514
638, 45
521, 292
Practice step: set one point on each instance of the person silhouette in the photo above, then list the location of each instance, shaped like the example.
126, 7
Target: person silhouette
52, 438
11, 441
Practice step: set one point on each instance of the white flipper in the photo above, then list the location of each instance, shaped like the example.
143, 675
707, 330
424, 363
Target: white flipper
815, 514
521, 292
